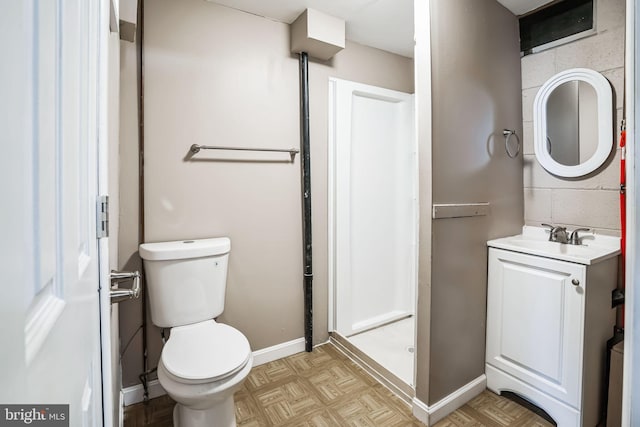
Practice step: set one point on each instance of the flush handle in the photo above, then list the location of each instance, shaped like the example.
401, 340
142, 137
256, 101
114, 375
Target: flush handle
120, 294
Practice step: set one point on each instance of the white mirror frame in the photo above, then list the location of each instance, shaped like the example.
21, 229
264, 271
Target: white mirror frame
605, 122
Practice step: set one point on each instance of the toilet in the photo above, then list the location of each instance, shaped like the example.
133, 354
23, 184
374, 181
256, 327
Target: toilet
203, 362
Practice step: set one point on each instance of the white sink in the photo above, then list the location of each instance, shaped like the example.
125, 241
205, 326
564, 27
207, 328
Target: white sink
535, 241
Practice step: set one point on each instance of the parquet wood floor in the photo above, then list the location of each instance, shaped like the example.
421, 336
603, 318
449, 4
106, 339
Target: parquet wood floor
326, 389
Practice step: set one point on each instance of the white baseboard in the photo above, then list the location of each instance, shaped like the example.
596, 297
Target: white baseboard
135, 394
420, 410
432, 414
278, 351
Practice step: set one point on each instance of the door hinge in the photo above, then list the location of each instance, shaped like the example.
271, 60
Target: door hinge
102, 220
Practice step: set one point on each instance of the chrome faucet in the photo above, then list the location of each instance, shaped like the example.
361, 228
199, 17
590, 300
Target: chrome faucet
574, 239
557, 233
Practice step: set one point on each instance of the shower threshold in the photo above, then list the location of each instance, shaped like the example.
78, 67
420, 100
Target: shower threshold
393, 365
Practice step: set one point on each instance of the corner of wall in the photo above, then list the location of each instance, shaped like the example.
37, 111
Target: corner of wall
430, 415
422, 79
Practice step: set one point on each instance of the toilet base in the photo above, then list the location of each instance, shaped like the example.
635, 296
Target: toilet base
220, 415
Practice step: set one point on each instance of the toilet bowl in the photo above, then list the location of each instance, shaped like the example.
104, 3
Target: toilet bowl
203, 362
201, 366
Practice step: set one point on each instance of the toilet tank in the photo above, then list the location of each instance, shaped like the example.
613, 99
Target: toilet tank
186, 280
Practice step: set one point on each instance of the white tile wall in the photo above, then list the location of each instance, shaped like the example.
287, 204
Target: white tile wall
528, 97
536, 69
616, 78
609, 15
537, 202
590, 201
605, 178
527, 138
585, 207
600, 52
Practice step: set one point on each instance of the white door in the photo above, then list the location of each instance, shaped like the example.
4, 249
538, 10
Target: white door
535, 322
374, 205
52, 119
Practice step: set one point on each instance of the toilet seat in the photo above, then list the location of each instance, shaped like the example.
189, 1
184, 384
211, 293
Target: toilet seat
204, 352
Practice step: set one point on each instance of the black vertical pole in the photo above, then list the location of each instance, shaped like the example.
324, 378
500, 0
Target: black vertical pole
306, 201
144, 377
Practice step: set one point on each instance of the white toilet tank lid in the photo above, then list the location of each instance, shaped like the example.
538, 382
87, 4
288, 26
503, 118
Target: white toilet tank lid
181, 249
205, 351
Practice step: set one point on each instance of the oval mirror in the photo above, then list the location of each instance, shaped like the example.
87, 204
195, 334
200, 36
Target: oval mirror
573, 122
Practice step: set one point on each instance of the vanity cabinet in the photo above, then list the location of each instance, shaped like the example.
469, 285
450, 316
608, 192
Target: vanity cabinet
548, 322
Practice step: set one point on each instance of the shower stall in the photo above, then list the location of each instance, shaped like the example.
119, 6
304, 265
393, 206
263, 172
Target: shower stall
373, 222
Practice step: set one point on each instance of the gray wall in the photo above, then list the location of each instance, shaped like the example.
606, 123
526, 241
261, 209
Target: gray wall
214, 75
475, 95
128, 260
590, 201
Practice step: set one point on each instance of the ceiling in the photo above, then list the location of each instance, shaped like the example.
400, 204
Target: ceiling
520, 7
383, 24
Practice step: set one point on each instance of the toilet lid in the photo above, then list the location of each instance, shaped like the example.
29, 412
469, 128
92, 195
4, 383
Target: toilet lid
205, 351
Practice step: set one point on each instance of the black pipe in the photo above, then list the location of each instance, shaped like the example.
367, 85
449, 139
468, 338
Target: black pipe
144, 377
306, 201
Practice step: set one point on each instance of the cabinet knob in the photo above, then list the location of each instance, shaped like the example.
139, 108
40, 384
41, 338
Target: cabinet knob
575, 282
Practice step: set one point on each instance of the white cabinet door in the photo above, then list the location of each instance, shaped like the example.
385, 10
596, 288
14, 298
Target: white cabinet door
535, 321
